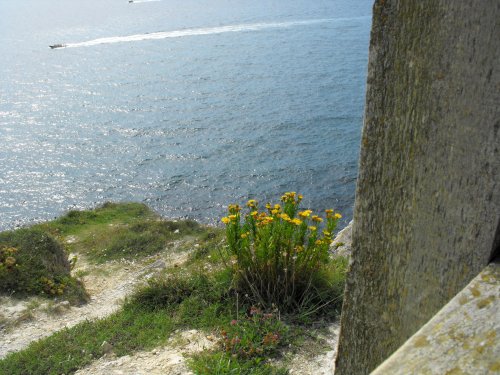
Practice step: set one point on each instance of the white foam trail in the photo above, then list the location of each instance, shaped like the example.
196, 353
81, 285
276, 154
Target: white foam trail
204, 31
144, 1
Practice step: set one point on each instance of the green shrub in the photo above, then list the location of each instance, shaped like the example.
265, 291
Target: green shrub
177, 286
169, 290
277, 255
34, 263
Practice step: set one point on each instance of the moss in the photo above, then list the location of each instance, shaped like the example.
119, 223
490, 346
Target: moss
495, 367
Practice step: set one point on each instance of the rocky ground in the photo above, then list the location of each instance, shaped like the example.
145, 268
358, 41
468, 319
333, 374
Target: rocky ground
169, 359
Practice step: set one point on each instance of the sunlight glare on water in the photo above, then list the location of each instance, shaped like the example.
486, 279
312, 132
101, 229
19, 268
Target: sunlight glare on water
184, 105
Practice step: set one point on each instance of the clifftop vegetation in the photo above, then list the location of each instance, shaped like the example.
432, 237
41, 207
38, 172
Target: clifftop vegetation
201, 293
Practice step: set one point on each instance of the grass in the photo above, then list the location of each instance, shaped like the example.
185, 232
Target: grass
219, 363
115, 231
67, 350
79, 222
199, 295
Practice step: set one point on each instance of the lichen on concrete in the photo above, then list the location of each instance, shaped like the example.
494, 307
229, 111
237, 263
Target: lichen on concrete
463, 338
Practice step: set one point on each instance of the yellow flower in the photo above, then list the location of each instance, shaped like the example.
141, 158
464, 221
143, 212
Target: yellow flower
312, 228
285, 217
329, 211
268, 206
254, 213
338, 216
264, 217
289, 197
274, 212
297, 221
265, 221
10, 261
300, 197
317, 219
245, 235
225, 220
233, 217
326, 233
252, 203
234, 208
318, 242
305, 213
277, 207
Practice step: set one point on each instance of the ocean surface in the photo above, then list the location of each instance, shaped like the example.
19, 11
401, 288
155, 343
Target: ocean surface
185, 105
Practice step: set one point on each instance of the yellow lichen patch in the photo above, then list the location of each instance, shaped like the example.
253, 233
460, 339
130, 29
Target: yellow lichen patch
486, 277
495, 367
475, 290
437, 327
484, 342
420, 342
455, 371
491, 338
491, 335
479, 349
463, 300
485, 302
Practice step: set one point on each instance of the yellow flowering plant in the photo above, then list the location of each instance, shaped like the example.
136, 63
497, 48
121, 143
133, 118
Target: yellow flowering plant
278, 251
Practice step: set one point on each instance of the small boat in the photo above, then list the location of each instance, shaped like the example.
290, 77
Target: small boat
130, 1
57, 46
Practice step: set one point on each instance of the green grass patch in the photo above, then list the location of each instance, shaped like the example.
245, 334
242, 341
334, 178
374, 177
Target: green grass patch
67, 350
79, 222
137, 240
220, 363
118, 230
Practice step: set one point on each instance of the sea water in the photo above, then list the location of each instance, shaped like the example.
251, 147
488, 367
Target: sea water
184, 105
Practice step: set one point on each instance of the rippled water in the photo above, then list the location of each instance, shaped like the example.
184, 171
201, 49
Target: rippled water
184, 105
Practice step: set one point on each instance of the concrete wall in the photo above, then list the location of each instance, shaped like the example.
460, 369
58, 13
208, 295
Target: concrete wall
428, 194
463, 338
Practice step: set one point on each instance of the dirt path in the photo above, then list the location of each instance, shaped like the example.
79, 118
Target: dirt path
313, 358
30, 320
320, 361
169, 359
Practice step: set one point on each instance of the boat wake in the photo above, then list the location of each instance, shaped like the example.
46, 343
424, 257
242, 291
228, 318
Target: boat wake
142, 1
201, 31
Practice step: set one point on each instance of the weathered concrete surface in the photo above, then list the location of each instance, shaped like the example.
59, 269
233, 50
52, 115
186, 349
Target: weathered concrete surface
463, 338
428, 193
